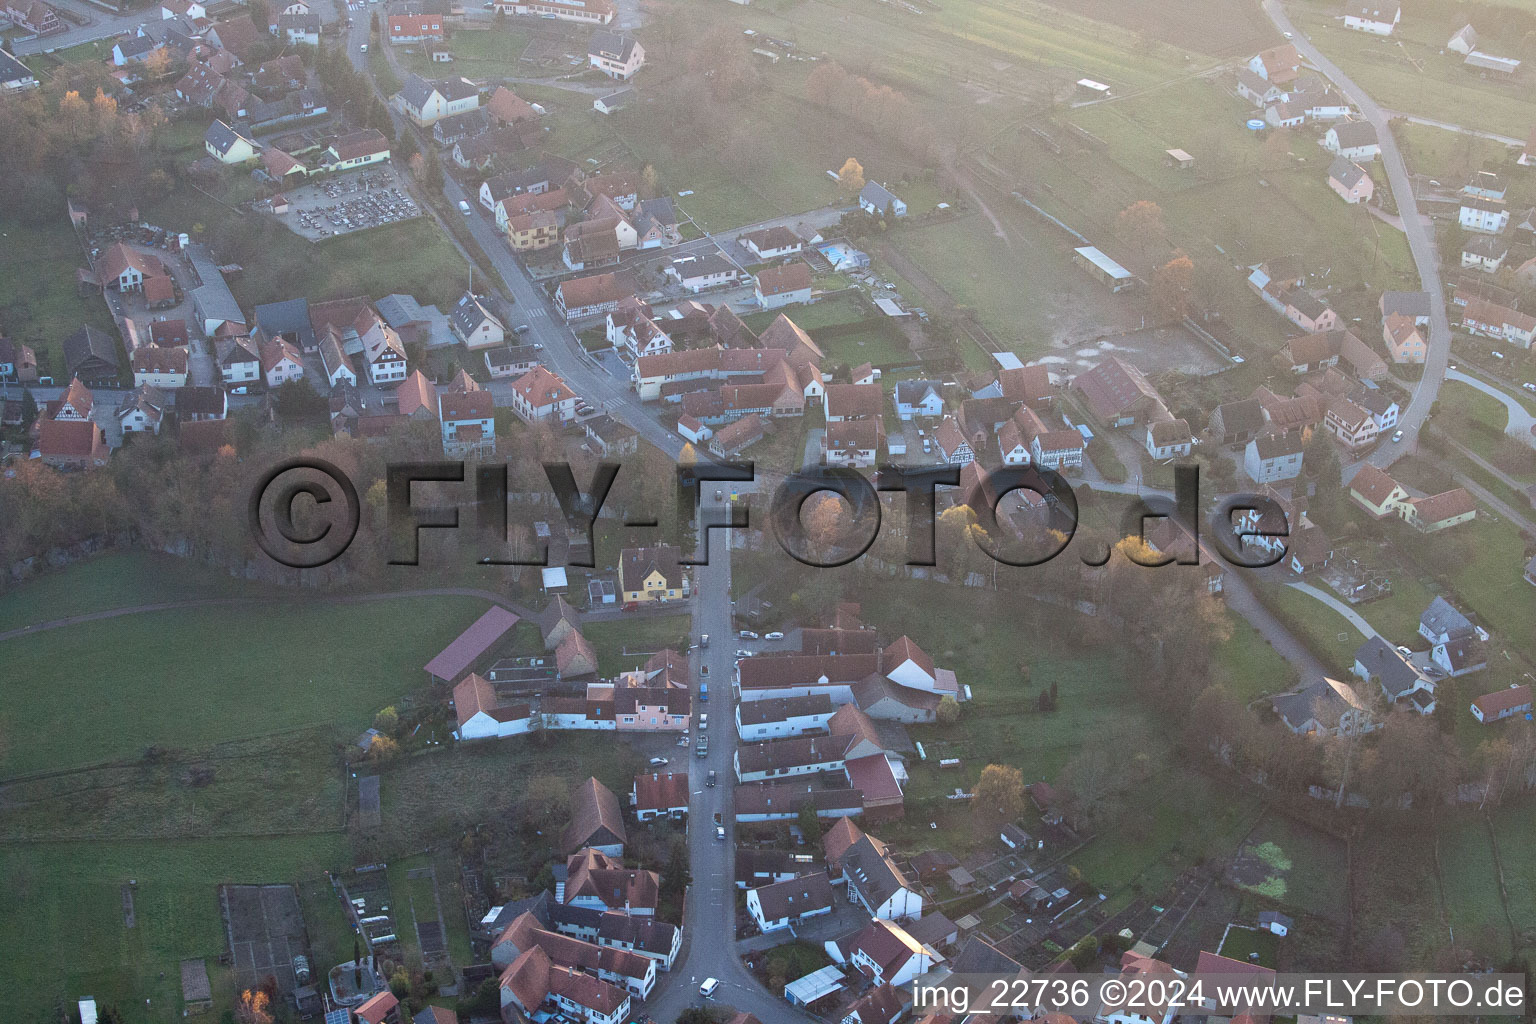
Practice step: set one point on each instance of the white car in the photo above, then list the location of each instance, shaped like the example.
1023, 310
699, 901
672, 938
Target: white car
704, 720
708, 988
1397, 435
657, 762
1498, 355
720, 835
747, 634
775, 635
1529, 386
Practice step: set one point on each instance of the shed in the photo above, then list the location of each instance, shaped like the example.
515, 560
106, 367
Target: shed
816, 985
1106, 270
453, 660
554, 579
961, 879
1178, 158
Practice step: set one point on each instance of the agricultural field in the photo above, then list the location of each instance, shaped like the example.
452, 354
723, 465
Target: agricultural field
1410, 71
157, 660
39, 305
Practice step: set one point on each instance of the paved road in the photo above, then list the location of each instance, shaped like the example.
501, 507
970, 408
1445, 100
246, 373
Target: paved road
104, 25
1521, 423
1430, 122
1421, 240
710, 922
1354, 617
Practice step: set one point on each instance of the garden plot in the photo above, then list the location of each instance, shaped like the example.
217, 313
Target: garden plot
266, 932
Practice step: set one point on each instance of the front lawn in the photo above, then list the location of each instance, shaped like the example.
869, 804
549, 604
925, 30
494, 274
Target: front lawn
1251, 945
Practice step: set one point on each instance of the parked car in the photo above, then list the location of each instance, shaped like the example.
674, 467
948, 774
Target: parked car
703, 670
520, 329
704, 721
710, 984
743, 654
747, 634
1397, 435
775, 635
1529, 386
657, 762
713, 778
720, 835
1497, 354
682, 740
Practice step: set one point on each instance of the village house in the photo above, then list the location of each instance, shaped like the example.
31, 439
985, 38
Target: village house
610, 438
1511, 702
1354, 427
1236, 423
772, 243
660, 796
1325, 708
540, 396
593, 12
356, 149
71, 444
887, 954
780, 905
852, 443
878, 201
1400, 681
875, 880
280, 362
632, 332
702, 273
1483, 252
1501, 323
783, 716
414, 28
580, 297
737, 436
596, 821
916, 398
238, 361
1353, 140
425, 101
651, 575
474, 324
1377, 19
1350, 181
1409, 304
1168, 439
466, 416
782, 286
1278, 65
227, 145
530, 232
143, 411
1457, 647
1439, 511
1256, 89
1486, 216
164, 368
1404, 339
615, 54
1376, 492
1271, 458
534, 985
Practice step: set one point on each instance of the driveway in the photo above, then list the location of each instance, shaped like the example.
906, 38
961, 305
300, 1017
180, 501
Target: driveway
1421, 240
1354, 617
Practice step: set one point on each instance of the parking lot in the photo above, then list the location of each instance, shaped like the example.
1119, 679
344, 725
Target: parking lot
346, 203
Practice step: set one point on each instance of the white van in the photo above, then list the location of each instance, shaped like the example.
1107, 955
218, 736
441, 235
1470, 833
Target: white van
464, 207
707, 990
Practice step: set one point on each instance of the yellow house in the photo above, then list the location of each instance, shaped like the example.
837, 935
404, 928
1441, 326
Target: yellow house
1377, 493
652, 575
1439, 511
535, 230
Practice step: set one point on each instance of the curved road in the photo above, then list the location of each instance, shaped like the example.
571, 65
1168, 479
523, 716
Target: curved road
1421, 240
1521, 423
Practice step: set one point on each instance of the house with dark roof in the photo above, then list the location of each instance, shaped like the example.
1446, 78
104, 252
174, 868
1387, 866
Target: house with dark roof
887, 954
615, 54
785, 904
878, 883
1400, 680
1327, 707
878, 201
427, 101
595, 820
91, 355
229, 144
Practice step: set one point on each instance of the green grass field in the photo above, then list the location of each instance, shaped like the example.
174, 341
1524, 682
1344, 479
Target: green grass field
62, 931
225, 673
1478, 420
476, 55
39, 306
640, 636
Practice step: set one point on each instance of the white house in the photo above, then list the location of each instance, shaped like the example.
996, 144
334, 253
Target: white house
701, 273
1352, 140
615, 54
280, 362
143, 411
879, 201
918, 398
540, 396
1169, 439
887, 954
780, 905
482, 716
783, 286
426, 101
238, 361
783, 716
385, 353
878, 884
475, 325
1269, 458
1377, 19
1488, 216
